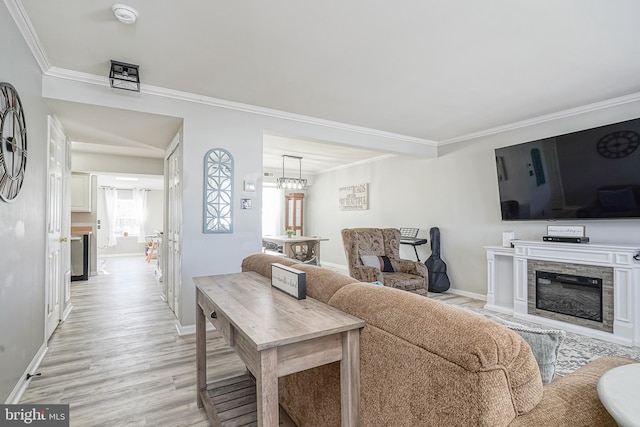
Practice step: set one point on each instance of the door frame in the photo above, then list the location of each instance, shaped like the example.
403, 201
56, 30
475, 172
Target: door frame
63, 215
172, 253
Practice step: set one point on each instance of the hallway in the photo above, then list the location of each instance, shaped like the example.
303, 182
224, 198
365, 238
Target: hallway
117, 360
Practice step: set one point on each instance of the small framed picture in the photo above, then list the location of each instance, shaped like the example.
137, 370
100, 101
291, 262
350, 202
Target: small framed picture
245, 203
289, 280
567, 230
249, 186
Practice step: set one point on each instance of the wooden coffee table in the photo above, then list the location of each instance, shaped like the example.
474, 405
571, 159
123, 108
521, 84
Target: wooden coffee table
619, 392
275, 335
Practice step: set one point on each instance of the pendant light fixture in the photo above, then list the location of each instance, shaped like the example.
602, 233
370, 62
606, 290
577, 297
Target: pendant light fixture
124, 76
287, 183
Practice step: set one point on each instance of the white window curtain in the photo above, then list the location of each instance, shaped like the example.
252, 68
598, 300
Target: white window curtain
272, 201
140, 203
111, 205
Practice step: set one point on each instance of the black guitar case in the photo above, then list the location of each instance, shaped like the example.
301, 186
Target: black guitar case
438, 280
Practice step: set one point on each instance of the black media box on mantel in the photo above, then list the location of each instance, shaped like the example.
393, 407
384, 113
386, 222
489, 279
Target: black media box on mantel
564, 239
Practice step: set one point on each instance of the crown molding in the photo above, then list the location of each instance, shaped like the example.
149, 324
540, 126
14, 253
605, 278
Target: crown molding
596, 106
247, 108
66, 74
19, 15
276, 171
76, 76
269, 112
361, 162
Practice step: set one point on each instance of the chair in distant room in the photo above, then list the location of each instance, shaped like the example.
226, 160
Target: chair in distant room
373, 254
271, 247
305, 252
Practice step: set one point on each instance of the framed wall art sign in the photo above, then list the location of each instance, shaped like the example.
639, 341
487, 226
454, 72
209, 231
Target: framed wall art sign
354, 197
289, 280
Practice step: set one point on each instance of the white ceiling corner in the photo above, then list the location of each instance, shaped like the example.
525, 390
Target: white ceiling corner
426, 73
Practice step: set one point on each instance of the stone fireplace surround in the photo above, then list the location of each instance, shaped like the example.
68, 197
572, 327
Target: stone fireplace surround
508, 290
595, 271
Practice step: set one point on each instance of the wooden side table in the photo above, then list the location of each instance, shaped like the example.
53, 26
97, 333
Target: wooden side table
619, 392
275, 335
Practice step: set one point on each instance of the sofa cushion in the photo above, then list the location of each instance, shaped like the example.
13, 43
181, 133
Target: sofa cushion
545, 345
261, 263
322, 283
382, 263
404, 281
453, 337
573, 400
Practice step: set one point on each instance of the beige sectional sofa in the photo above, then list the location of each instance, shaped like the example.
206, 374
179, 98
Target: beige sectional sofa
426, 363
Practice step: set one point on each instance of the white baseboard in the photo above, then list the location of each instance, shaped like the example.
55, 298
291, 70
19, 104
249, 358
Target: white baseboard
339, 267
467, 294
499, 309
21, 386
67, 311
190, 329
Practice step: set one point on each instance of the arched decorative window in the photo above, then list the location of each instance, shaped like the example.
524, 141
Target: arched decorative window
218, 191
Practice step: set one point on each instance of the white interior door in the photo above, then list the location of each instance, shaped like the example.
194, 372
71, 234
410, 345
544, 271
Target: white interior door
58, 263
173, 235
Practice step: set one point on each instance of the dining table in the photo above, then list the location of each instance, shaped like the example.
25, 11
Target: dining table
289, 243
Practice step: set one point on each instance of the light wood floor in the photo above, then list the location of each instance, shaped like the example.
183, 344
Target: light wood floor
117, 359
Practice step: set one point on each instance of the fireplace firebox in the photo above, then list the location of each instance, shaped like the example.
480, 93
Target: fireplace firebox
569, 294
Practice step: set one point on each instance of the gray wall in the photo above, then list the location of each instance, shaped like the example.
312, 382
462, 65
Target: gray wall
457, 192
22, 223
207, 126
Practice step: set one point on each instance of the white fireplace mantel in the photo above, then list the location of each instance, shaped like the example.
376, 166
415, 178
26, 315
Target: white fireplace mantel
507, 282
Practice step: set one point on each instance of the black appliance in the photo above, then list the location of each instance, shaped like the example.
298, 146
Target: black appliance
593, 173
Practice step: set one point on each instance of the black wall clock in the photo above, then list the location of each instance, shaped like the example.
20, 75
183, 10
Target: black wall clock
618, 144
13, 143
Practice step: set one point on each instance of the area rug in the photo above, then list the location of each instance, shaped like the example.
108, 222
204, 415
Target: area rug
577, 349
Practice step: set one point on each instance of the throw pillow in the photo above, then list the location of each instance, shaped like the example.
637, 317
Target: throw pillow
382, 263
544, 343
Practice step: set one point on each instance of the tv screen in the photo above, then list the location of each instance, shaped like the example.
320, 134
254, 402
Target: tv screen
594, 173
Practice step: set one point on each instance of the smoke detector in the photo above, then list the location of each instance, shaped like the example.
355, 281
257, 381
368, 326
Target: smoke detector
124, 13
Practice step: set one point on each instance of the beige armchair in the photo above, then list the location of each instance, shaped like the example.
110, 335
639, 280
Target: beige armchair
371, 251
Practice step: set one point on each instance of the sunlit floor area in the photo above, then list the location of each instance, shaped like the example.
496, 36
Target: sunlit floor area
117, 359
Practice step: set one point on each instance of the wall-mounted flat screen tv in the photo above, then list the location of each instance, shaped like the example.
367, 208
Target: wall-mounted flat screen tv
594, 173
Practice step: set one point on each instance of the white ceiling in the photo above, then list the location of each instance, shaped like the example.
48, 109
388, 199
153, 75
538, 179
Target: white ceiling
93, 128
439, 70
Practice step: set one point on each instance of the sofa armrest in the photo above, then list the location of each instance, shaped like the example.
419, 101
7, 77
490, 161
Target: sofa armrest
367, 274
573, 399
412, 267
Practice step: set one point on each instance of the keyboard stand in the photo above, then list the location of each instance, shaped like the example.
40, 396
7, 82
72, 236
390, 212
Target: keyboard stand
413, 241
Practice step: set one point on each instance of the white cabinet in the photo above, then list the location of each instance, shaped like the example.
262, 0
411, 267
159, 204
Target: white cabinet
80, 192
